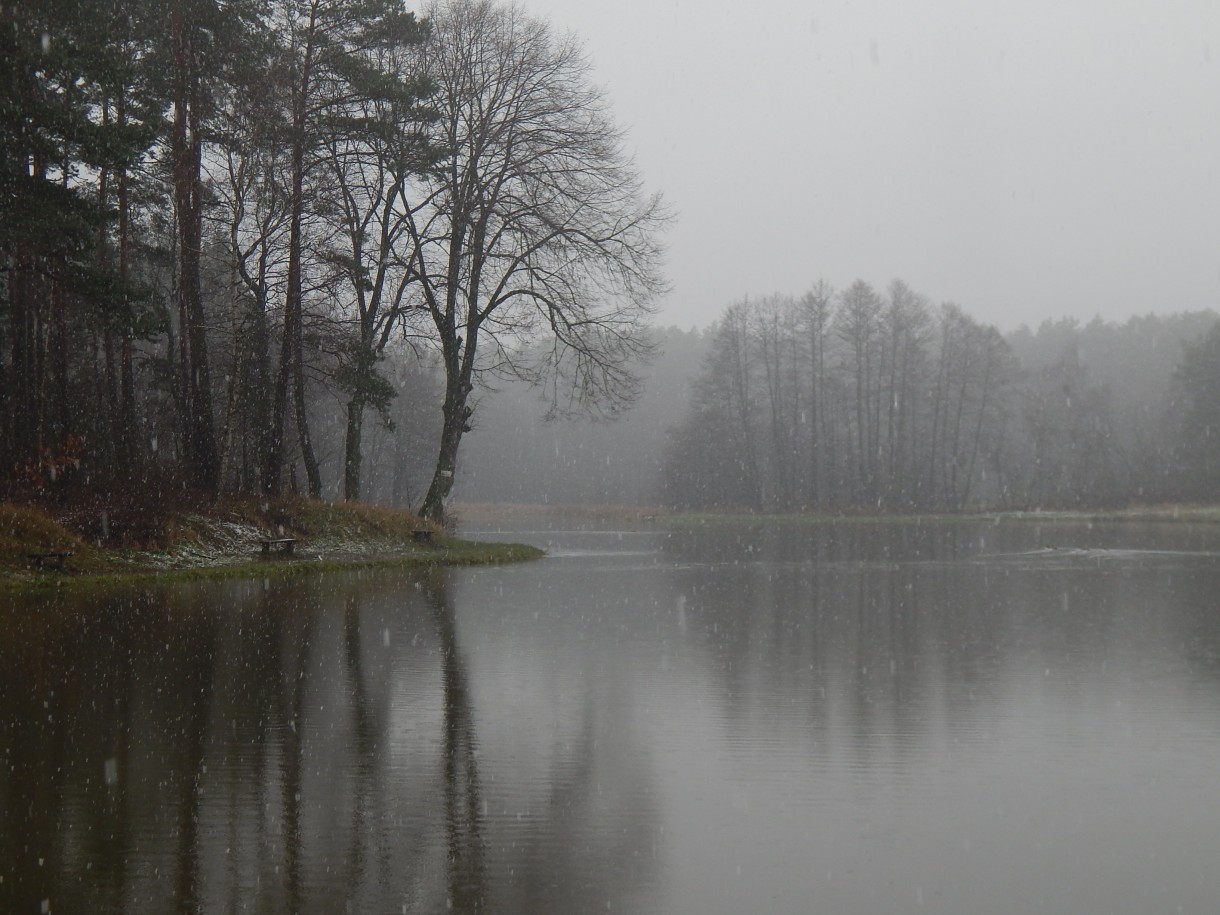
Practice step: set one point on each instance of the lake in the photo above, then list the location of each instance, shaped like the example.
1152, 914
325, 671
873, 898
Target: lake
847, 718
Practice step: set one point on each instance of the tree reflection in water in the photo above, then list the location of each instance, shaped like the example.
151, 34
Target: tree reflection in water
491, 740
299, 746
462, 801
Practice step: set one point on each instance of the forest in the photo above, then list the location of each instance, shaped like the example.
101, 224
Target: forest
860, 402
868, 401
318, 247
231, 232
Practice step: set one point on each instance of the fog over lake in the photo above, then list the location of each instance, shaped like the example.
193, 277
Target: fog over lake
1028, 160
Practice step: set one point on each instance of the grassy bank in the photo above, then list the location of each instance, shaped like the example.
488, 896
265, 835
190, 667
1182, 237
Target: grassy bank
138, 539
152, 537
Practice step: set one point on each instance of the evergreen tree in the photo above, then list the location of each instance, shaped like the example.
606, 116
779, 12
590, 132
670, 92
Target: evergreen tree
61, 86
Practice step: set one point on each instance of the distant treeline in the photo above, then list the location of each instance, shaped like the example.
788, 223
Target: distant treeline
866, 401
862, 401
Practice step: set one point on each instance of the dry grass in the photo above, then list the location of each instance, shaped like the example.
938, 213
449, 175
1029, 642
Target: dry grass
125, 534
24, 530
352, 519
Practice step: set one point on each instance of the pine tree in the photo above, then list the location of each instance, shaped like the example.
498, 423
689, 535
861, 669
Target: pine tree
57, 73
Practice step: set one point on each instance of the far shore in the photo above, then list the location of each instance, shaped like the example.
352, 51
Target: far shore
517, 513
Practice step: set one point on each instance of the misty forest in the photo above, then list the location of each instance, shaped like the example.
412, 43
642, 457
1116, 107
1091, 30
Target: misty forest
311, 248
231, 235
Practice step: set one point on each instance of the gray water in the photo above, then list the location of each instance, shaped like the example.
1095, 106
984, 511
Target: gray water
846, 719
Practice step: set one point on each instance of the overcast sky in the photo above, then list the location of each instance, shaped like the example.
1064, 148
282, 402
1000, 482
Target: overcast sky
1024, 158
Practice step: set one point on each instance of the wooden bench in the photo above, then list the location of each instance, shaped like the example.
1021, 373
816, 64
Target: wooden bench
423, 535
42, 561
283, 544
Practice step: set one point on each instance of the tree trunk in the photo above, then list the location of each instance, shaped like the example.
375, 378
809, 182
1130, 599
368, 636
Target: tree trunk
6, 411
456, 416
22, 439
313, 473
127, 380
107, 419
236, 413
459, 370
200, 437
351, 449
57, 344
290, 371
290, 368
272, 471
259, 399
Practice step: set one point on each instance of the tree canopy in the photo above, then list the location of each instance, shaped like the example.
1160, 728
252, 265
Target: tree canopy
217, 220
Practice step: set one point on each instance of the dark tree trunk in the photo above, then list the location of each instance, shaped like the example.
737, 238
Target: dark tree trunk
127, 379
290, 368
459, 366
58, 345
313, 474
6, 410
107, 419
29, 402
199, 434
351, 448
259, 394
455, 424
22, 437
272, 474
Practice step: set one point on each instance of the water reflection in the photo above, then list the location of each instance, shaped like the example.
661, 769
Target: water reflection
992, 735
920, 625
300, 746
463, 806
757, 719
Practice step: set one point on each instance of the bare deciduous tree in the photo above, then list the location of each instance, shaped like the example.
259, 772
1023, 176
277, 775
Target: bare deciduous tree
534, 229
333, 56
858, 326
381, 144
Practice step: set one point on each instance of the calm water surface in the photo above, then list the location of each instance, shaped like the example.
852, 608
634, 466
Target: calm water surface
847, 719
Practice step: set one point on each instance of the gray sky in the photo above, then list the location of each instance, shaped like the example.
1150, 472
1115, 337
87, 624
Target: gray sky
1024, 158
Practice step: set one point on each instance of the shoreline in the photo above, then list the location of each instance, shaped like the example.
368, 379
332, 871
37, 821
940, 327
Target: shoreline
222, 540
630, 514
450, 554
